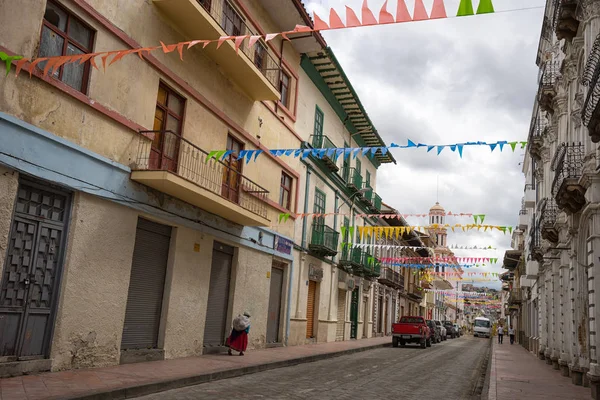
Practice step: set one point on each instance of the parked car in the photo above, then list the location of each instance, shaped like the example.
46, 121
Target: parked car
450, 331
442, 329
435, 331
458, 329
482, 327
411, 330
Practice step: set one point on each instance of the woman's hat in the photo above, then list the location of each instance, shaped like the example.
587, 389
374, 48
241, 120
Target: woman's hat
247, 314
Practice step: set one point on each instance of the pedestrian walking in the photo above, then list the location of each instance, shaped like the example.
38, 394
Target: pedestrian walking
238, 340
500, 334
511, 334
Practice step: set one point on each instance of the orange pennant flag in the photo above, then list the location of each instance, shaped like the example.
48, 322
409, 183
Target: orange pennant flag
351, 18
384, 16
195, 42
402, 14
367, 15
438, 11
223, 39
167, 49
238, 42
20, 64
319, 23
302, 28
334, 20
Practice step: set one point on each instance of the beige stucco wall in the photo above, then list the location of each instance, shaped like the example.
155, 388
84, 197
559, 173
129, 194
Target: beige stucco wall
9, 182
97, 269
130, 87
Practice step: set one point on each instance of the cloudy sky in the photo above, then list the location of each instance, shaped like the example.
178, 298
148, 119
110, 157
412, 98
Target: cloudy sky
447, 81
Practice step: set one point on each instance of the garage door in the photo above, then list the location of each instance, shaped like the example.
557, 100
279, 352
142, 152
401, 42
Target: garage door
218, 296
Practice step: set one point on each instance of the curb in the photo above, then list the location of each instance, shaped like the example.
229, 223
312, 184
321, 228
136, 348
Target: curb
176, 383
491, 394
485, 390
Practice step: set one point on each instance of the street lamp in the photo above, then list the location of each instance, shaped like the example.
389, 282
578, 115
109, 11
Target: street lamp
361, 191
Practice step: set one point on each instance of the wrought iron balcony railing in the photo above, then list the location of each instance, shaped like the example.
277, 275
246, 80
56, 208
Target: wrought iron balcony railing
548, 214
568, 167
355, 180
564, 19
324, 240
171, 152
377, 202
535, 241
323, 142
590, 114
351, 258
225, 14
547, 91
392, 278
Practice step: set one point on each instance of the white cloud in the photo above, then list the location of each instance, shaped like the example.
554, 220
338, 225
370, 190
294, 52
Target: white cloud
447, 81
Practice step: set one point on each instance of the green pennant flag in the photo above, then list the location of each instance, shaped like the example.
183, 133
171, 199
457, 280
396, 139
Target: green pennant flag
211, 154
485, 7
351, 231
284, 217
343, 229
8, 60
513, 145
475, 218
482, 217
503, 229
523, 144
220, 154
465, 8
510, 229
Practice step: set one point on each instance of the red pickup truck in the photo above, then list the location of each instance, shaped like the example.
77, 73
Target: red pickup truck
411, 330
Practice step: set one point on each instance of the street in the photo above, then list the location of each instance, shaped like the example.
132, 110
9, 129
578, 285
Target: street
447, 370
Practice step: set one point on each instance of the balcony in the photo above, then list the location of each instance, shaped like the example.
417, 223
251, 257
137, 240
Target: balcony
523, 219
371, 266
324, 240
415, 292
537, 132
532, 269
182, 170
547, 89
530, 197
535, 243
392, 278
329, 158
355, 181
351, 259
515, 297
368, 195
567, 190
256, 70
590, 115
377, 203
565, 20
548, 214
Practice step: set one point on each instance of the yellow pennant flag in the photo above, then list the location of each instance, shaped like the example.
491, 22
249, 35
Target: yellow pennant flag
397, 230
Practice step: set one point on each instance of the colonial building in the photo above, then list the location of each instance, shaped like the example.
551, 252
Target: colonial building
120, 237
332, 298
558, 288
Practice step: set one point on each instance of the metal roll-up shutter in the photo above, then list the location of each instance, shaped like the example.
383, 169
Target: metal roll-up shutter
218, 296
310, 309
146, 285
274, 317
341, 316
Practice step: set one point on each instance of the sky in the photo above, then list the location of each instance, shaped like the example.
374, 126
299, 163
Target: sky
442, 82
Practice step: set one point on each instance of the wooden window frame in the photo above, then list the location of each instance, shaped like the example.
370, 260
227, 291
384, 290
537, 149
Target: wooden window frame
240, 171
68, 40
163, 129
289, 189
288, 87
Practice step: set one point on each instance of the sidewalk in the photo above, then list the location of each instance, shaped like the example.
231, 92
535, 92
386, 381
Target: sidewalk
132, 380
517, 374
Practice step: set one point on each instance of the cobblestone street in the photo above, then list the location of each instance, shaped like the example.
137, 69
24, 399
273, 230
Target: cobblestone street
448, 370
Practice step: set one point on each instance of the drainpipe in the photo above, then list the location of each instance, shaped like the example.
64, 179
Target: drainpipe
302, 256
289, 303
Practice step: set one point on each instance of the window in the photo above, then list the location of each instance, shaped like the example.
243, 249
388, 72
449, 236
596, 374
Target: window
284, 89
368, 180
232, 171
358, 166
345, 165
168, 119
347, 225
206, 4
63, 34
285, 191
232, 21
319, 206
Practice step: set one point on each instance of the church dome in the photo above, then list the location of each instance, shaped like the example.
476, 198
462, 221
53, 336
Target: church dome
437, 208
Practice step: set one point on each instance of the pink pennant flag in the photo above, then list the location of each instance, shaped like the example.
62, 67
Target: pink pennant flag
253, 40
319, 23
334, 20
351, 18
195, 42
223, 39
402, 14
238, 42
270, 36
384, 16
438, 10
302, 28
367, 15
420, 13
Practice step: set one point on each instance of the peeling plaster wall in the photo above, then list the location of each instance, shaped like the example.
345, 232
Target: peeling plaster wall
9, 182
95, 282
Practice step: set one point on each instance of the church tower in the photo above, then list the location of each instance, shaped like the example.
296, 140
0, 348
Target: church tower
437, 215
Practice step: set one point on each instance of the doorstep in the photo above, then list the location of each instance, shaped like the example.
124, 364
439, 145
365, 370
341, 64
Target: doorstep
133, 380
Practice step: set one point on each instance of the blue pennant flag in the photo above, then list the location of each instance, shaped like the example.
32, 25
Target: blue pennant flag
315, 152
289, 152
394, 145
226, 154
440, 148
339, 152
365, 150
429, 148
460, 149
306, 153
501, 144
242, 154
330, 153
297, 153
411, 143
374, 150
257, 153
421, 145
322, 153
384, 150
249, 155
453, 147
493, 146
355, 152
281, 152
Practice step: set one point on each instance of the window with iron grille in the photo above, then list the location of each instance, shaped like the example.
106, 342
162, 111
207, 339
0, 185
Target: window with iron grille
260, 57
63, 34
285, 191
232, 21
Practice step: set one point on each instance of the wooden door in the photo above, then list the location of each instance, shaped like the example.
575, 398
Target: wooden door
310, 309
232, 171
168, 119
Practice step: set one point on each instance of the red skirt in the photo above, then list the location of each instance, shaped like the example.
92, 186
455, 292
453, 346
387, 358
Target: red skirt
237, 341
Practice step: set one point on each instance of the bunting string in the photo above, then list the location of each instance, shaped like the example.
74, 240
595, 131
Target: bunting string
478, 218
379, 232
441, 259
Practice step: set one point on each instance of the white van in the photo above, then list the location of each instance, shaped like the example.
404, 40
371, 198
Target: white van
482, 327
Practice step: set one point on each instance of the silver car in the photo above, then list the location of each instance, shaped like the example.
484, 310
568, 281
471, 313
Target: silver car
444, 333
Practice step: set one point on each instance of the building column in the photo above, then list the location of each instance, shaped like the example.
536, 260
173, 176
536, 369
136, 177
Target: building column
543, 315
556, 317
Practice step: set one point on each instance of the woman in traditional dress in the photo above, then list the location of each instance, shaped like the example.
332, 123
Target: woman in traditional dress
238, 340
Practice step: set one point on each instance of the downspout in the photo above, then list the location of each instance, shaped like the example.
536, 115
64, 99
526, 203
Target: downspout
303, 242
289, 303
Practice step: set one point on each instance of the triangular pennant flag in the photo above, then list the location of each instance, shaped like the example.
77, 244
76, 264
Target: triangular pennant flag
460, 149
384, 16
465, 8
351, 18
297, 153
453, 147
402, 14
501, 145
253, 40
411, 143
226, 154
367, 15
271, 36
257, 153
351, 231
523, 144
485, 7
482, 217
211, 154
420, 13
343, 229
475, 218
319, 23
334, 20
438, 10
238, 42
250, 154
429, 148
289, 152
492, 146
510, 229
440, 148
